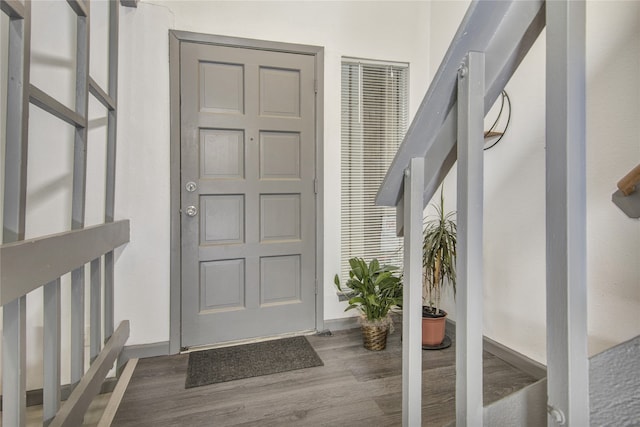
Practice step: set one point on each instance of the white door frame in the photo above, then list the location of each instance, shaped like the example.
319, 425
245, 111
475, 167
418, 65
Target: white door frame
175, 40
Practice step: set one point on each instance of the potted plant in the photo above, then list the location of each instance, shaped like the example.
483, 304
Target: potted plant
373, 290
439, 269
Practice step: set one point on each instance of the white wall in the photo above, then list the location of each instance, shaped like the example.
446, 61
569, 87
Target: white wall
142, 173
613, 149
514, 248
387, 30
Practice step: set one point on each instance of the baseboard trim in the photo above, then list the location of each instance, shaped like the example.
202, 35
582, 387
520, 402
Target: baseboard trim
141, 351
341, 324
535, 369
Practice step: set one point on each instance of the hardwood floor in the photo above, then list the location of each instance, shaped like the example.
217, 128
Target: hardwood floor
355, 387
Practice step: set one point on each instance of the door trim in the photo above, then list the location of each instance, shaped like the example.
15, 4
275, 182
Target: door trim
176, 38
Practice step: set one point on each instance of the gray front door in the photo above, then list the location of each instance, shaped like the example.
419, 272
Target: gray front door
248, 199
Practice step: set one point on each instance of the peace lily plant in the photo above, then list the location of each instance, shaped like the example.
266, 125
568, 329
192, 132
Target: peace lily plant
373, 290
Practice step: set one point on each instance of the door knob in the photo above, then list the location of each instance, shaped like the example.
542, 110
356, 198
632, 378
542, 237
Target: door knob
191, 211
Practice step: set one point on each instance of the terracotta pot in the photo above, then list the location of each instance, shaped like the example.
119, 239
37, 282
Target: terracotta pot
433, 330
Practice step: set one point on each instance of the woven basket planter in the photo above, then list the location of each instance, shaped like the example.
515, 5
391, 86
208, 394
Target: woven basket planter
374, 337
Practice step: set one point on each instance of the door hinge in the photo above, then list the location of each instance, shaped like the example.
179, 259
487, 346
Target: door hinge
315, 85
316, 286
315, 186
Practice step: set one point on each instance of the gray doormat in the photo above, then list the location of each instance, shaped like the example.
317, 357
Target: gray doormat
250, 360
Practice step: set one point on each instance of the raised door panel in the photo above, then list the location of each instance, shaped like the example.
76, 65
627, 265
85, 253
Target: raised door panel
221, 87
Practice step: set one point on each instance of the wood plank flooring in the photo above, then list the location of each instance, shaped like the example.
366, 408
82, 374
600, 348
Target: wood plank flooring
355, 387
91, 417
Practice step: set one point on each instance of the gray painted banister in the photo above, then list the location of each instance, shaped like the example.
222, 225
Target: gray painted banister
412, 295
52, 350
40, 262
79, 183
565, 169
28, 264
56, 108
110, 182
469, 269
504, 31
14, 359
23, 265
79, 7
13, 8
72, 412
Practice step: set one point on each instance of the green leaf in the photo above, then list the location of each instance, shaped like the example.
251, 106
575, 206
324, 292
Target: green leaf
357, 300
336, 281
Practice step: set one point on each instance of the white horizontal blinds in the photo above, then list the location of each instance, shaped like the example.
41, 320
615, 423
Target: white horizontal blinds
374, 121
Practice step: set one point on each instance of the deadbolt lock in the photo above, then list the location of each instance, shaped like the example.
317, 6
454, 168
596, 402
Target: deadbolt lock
191, 186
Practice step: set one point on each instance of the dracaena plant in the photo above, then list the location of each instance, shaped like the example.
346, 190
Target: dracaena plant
373, 289
438, 255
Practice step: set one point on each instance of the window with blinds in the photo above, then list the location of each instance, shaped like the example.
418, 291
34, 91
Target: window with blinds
374, 121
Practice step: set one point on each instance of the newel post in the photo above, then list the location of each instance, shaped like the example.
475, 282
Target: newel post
567, 357
469, 407
412, 294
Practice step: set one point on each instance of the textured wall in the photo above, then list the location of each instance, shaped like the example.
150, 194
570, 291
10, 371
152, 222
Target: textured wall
614, 385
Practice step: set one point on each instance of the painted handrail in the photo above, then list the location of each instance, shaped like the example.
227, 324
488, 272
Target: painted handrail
505, 31
28, 264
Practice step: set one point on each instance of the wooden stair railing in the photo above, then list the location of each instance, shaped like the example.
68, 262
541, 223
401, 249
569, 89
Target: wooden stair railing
629, 182
627, 197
